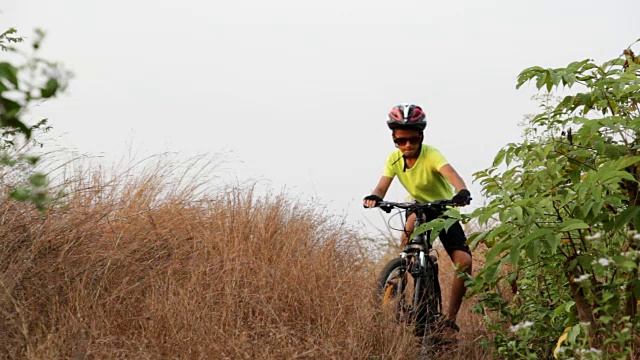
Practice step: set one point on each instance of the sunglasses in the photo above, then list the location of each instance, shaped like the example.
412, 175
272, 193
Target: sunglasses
402, 141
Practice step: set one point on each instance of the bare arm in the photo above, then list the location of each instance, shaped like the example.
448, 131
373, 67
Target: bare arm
380, 190
452, 177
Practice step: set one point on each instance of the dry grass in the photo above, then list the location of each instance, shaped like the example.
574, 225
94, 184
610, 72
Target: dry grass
135, 266
472, 328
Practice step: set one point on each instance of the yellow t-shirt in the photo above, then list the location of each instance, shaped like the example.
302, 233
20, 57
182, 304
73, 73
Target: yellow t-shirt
423, 181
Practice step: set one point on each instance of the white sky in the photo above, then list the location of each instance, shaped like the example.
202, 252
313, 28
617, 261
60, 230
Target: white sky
298, 91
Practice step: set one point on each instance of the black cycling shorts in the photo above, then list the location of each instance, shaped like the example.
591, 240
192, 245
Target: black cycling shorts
452, 239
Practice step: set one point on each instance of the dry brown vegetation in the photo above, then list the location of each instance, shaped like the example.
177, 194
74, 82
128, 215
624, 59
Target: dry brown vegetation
141, 266
472, 329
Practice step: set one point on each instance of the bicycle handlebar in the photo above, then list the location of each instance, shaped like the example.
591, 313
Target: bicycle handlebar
386, 206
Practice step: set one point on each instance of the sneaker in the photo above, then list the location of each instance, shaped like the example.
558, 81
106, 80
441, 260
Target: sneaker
448, 331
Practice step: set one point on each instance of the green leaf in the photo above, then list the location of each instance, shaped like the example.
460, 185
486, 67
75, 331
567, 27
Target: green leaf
555, 79
542, 79
586, 207
50, 88
32, 159
533, 250
527, 74
38, 180
625, 217
435, 226
553, 240
573, 224
568, 305
496, 250
573, 334
13, 122
449, 222
625, 162
615, 176
11, 108
552, 79
576, 65
9, 72
499, 157
625, 263
538, 233
588, 66
20, 194
514, 254
605, 319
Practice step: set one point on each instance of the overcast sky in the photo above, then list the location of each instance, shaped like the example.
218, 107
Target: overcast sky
296, 92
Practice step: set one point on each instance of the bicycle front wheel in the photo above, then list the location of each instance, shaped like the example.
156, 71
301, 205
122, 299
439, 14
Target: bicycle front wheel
428, 300
415, 301
392, 288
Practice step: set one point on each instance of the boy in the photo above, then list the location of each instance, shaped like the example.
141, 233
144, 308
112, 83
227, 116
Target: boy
427, 176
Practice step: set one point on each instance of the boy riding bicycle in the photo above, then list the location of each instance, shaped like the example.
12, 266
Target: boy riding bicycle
427, 176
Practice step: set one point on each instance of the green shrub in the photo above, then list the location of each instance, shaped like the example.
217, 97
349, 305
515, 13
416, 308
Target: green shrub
565, 209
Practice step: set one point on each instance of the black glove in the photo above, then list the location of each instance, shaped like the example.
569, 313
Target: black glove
463, 197
373, 197
378, 200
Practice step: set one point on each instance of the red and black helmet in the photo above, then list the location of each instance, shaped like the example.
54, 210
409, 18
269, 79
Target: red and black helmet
407, 116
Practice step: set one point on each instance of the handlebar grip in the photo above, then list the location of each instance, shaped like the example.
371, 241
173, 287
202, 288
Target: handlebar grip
375, 197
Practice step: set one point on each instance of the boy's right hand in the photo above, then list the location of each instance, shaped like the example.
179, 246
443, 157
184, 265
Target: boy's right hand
370, 201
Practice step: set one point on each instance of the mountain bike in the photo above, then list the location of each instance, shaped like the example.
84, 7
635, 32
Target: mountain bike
409, 283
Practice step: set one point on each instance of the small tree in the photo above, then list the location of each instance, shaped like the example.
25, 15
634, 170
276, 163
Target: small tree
24, 82
567, 208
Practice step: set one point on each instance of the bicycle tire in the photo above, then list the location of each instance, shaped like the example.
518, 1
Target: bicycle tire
437, 299
420, 306
391, 285
423, 308
432, 295
394, 291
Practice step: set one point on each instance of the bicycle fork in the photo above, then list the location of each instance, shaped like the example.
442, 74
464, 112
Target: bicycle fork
418, 272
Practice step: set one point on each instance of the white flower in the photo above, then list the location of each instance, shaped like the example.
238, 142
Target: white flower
636, 237
594, 236
604, 262
587, 351
581, 278
523, 325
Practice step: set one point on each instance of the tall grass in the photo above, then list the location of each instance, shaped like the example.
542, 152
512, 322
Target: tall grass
137, 265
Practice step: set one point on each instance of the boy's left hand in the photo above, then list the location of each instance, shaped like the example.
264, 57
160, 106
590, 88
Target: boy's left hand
463, 197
